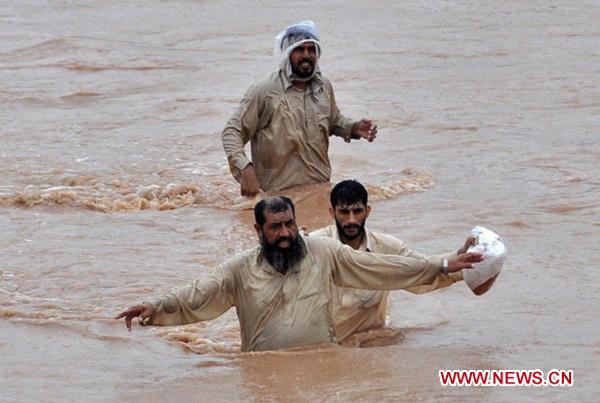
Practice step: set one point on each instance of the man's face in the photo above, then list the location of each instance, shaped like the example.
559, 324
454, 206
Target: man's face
280, 229
279, 239
350, 219
303, 59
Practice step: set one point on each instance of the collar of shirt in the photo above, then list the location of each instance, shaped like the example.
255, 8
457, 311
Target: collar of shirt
316, 84
365, 245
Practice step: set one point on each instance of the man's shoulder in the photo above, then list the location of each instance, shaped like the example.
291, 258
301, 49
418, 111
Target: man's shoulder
325, 79
242, 259
319, 243
327, 83
384, 243
325, 231
269, 83
381, 235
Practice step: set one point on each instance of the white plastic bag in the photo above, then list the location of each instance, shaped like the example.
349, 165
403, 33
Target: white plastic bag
481, 277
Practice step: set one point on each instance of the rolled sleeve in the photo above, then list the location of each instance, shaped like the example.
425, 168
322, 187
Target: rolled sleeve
239, 161
344, 129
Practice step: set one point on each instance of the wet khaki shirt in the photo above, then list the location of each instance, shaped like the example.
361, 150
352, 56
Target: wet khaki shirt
360, 310
288, 130
285, 310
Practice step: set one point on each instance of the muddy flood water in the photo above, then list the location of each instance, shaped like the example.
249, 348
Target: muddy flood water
114, 188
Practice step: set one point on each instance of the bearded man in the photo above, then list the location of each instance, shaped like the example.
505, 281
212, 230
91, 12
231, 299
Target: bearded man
288, 119
281, 289
357, 310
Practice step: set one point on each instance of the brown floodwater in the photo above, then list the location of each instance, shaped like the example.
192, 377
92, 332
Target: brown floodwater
114, 188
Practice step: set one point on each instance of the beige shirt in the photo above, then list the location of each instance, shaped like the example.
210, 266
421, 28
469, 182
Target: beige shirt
288, 130
285, 310
360, 310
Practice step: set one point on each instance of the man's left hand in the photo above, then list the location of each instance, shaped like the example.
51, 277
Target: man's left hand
366, 129
471, 241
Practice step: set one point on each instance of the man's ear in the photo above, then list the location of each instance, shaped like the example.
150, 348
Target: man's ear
332, 213
258, 230
368, 208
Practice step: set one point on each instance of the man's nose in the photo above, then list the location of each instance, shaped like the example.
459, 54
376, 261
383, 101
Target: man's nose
352, 218
285, 232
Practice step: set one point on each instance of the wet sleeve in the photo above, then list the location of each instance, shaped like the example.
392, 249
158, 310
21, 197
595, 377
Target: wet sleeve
441, 281
340, 125
373, 271
240, 129
203, 299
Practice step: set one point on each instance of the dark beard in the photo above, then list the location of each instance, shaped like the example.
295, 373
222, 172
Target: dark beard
303, 74
284, 259
350, 237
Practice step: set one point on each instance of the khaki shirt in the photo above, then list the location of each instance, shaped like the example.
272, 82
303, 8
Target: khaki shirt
285, 310
288, 130
360, 310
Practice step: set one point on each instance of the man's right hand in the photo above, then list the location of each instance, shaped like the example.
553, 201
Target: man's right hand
463, 261
249, 186
366, 129
143, 311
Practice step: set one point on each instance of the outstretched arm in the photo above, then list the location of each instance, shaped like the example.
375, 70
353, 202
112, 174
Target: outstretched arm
393, 245
203, 299
367, 270
443, 280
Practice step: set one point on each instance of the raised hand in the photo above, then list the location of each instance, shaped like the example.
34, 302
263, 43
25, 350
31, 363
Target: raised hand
366, 129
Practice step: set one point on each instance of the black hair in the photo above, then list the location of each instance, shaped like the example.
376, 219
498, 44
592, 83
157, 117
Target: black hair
275, 204
348, 192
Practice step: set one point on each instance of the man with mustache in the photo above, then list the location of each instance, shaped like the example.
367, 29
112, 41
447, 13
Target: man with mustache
288, 119
282, 289
357, 310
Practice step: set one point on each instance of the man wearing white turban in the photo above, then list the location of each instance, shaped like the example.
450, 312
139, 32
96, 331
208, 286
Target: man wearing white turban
288, 119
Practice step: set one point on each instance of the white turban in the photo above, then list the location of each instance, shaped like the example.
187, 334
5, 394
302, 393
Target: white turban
292, 37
